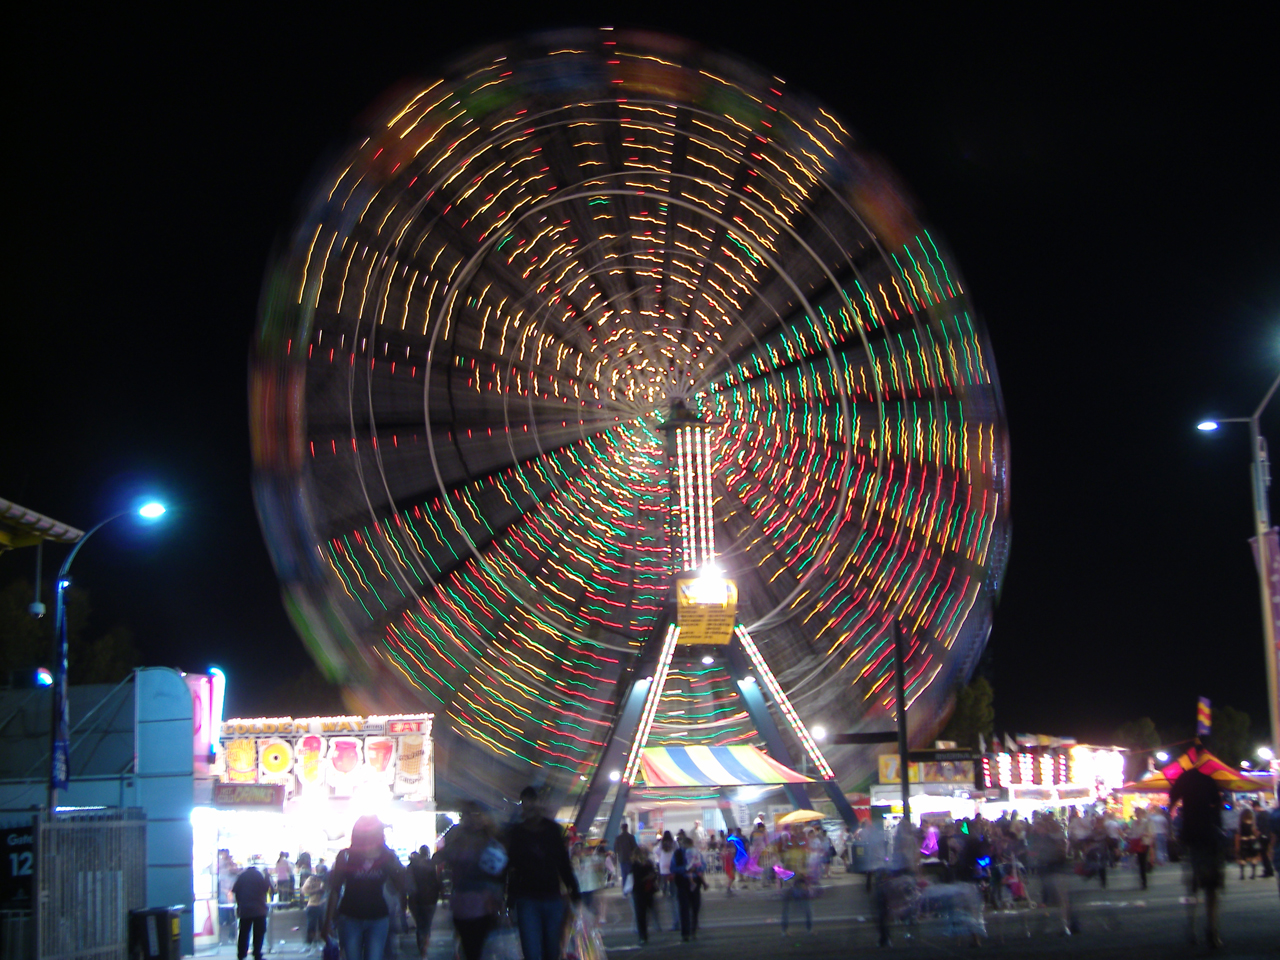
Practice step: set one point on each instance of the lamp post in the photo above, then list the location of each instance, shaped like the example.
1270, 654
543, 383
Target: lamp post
60, 720
1261, 480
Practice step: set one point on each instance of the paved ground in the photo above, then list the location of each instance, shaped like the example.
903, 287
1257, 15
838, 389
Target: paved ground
1118, 922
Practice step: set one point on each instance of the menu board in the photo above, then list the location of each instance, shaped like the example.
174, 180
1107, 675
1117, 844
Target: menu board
331, 756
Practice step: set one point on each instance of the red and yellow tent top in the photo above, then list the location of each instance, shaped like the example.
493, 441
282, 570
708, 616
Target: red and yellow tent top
739, 765
1206, 762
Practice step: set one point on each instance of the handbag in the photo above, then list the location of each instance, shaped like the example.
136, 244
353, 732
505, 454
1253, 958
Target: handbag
331, 950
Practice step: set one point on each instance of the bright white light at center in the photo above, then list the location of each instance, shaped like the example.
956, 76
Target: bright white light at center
710, 589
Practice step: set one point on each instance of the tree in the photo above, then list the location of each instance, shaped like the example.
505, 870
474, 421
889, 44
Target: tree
26, 642
1139, 737
1229, 737
108, 659
974, 714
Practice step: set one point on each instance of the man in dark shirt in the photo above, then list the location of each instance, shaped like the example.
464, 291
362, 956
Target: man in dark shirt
251, 889
623, 849
1201, 836
539, 862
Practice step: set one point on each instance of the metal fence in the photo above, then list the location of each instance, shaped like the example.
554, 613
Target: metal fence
91, 871
17, 935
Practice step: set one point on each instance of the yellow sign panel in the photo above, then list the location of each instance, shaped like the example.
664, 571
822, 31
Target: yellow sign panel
706, 609
928, 772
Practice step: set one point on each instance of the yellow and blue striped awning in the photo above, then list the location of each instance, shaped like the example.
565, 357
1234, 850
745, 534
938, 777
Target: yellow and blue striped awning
713, 767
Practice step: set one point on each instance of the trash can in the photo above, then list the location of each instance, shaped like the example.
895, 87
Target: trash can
155, 933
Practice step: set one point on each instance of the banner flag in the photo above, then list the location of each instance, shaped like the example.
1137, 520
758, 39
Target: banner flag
1204, 717
1273, 577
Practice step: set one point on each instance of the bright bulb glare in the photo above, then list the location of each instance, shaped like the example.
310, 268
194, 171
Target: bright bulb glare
819, 732
1162, 756
43, 677
708, 660
1266, 753
615, 776
151, 510
1207, 425
710, 590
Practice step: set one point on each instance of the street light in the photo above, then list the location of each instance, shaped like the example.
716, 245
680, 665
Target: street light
1261, 480
60, 721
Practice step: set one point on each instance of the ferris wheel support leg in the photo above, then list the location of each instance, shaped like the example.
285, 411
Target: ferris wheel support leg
758, 709
614, 756
842, 804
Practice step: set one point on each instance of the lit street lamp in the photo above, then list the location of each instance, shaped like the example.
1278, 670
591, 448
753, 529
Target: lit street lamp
1261, 480
60, 721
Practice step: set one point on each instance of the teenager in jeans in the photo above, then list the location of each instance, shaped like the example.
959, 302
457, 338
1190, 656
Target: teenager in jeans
538, 867
355, 891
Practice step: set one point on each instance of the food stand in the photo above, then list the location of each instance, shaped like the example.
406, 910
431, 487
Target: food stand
295, 785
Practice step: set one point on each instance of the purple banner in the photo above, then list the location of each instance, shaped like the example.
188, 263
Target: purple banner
1273, 574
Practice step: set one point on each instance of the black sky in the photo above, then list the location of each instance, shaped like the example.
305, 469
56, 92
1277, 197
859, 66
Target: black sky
1108, 187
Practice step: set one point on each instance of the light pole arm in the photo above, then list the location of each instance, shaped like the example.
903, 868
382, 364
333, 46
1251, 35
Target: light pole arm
66, 564
1267, 399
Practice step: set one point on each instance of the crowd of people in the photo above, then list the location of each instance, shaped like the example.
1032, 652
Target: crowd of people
537, 881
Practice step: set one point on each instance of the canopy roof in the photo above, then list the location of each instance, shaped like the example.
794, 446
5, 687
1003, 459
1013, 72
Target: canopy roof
1206, 762
20, 527
713, 767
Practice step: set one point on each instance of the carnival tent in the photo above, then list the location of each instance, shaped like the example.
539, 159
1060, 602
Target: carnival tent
1206, 762
740, 765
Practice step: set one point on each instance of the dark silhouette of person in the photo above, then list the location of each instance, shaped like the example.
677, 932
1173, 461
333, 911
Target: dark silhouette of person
538, 866
1201, 837
251, 890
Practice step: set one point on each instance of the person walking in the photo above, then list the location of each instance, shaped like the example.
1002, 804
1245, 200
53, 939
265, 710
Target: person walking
356, 898
313, 892
1246, 842
1262, 821
588, 870
540, 870
1200, 835
251, 890
666, 880
644, 886
624, 848
424, 894
686, 877
284, 880
476, 862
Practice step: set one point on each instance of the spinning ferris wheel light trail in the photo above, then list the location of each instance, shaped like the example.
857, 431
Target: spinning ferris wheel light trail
469, 350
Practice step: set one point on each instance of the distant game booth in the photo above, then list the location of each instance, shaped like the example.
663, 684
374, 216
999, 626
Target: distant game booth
298, 784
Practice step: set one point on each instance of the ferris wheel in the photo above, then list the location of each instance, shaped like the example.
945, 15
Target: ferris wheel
586, 314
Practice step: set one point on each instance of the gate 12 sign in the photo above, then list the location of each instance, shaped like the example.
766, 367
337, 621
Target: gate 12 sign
17, 866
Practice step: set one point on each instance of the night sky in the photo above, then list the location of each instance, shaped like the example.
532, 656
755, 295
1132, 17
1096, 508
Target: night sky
1108, 188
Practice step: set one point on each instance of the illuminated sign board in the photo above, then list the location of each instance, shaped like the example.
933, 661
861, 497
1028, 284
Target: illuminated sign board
706, 609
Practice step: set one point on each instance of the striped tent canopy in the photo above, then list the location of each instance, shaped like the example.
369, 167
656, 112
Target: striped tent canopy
713, 767
1206, 762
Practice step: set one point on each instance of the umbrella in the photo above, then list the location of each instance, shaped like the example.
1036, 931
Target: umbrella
1206, 762
800, 816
